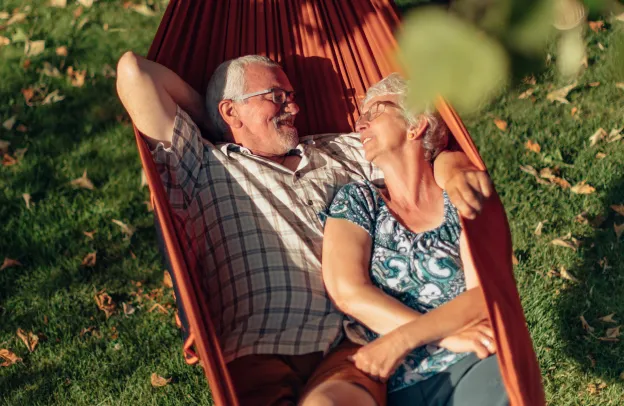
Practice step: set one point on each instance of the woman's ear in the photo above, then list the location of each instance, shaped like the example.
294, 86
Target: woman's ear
229, 114
418, 130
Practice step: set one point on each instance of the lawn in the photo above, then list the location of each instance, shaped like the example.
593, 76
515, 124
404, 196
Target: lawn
51, 225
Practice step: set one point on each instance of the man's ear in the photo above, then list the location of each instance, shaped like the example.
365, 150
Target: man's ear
229, 114
418, 130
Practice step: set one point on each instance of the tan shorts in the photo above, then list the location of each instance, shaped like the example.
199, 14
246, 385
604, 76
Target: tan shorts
281, 380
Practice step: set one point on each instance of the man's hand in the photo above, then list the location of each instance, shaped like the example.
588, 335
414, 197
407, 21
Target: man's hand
467, 190
380, 358
478, 339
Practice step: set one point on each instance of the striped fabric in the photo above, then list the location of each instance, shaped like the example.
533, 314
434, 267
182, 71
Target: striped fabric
252, 225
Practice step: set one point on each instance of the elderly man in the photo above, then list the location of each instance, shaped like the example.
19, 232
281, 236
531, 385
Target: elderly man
249, 206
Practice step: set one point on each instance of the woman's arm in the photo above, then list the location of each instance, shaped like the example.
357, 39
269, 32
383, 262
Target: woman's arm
150, 93
346, 273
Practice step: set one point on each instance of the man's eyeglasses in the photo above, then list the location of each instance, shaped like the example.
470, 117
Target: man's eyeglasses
280, 96
376, 110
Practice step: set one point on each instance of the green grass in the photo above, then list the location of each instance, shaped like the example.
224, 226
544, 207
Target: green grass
83, 132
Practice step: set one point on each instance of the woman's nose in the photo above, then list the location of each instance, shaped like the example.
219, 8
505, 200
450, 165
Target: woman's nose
361, 124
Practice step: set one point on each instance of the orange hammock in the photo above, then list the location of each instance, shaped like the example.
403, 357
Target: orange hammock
331, 50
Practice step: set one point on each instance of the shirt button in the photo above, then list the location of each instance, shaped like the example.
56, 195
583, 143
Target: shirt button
309, 203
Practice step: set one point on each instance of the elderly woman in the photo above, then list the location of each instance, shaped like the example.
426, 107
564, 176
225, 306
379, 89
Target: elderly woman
396, 262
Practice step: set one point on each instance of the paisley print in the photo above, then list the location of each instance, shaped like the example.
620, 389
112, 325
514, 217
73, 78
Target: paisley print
422, 270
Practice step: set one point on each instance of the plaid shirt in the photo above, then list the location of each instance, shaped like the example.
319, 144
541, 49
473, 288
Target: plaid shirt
252, 225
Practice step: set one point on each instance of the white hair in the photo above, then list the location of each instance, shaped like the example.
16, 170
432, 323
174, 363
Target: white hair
228, 82
437, 133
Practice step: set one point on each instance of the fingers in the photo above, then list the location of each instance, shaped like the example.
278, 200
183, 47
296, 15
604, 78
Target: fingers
468, 191
485, 183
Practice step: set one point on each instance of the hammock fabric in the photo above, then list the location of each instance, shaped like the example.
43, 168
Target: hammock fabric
331, 50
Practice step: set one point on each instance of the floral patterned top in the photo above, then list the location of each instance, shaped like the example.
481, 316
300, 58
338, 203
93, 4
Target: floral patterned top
422, 270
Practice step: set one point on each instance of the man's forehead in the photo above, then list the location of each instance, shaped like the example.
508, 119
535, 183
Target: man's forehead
259, 77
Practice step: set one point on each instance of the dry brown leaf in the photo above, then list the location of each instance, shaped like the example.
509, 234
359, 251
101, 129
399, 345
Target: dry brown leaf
143, 9
594, 84
618, 208
601, 155
167, 281
158, 381
105, 303
599, 135
9, 263
158, 307
4, 41
149, 206
582, 188
77, 12
77, 76
4, 147
26, 64
619, 85
4, 15
58, 3
538, 229
608, 318
591, 389
601, 47
53, 97
573, 111
89, 234
618, 230
21, 128
586, 325
61, 51
596, 26
533, 146
90, 259
561, 242
34, 48
8, 357
561, 94
126, 229
581, 218
526, 93
615, 135
9, 123
565, 274
17, 18
143, 178
501, 124
514, 260
29, 339
50, 70
83, 181
27, 198
8, 160
531, 171
128, 309
20, 152
613, 332
86, 3
28, 94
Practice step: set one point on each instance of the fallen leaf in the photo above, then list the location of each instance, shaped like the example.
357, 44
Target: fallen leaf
533, 146
128, 309
77, 76
615, 135
538, 229
89, 234
600, 155
608, 318
4, 147
158, 381
50, 70
29, 339
90, 259
53, 97
613, 332
586, 325
105, 303
618, 208
596, 26
126, 229
501, 124
21, 128
82, 23
77, 12
619, 85
9, 123
105, 26
565, 274
86, 3
599, 135
4, 15
28, 94
26, 197
4, 41
618, 230
61, 51
143, 179
20, 152
143, 9
26, 64
591, 388
149, 206
83, 181
8, 357
582, 188
9, 263
573, 111
563, 242
561, 94
531, 171
159, 307
17, 18
167, 281
514, 260
548, 173
594, 84
8, 160
526, 93
58, 3
34, 48
601, 47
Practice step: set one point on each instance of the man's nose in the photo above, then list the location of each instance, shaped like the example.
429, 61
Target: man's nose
291, 107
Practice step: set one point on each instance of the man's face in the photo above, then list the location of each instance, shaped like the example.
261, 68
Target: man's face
268, 128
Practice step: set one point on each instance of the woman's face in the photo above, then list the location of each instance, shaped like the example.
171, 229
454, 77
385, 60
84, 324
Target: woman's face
382, 127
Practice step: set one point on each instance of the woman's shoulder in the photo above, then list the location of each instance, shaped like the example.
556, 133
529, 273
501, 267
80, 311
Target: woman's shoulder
361, 189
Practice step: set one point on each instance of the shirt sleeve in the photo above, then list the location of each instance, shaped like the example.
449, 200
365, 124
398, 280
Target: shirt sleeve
180, 165
355, 202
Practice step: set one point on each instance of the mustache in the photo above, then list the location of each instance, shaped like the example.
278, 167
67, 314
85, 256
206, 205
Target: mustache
287, 118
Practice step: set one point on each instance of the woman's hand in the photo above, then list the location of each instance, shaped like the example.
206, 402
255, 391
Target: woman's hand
467, 190
380, 358
478, 339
